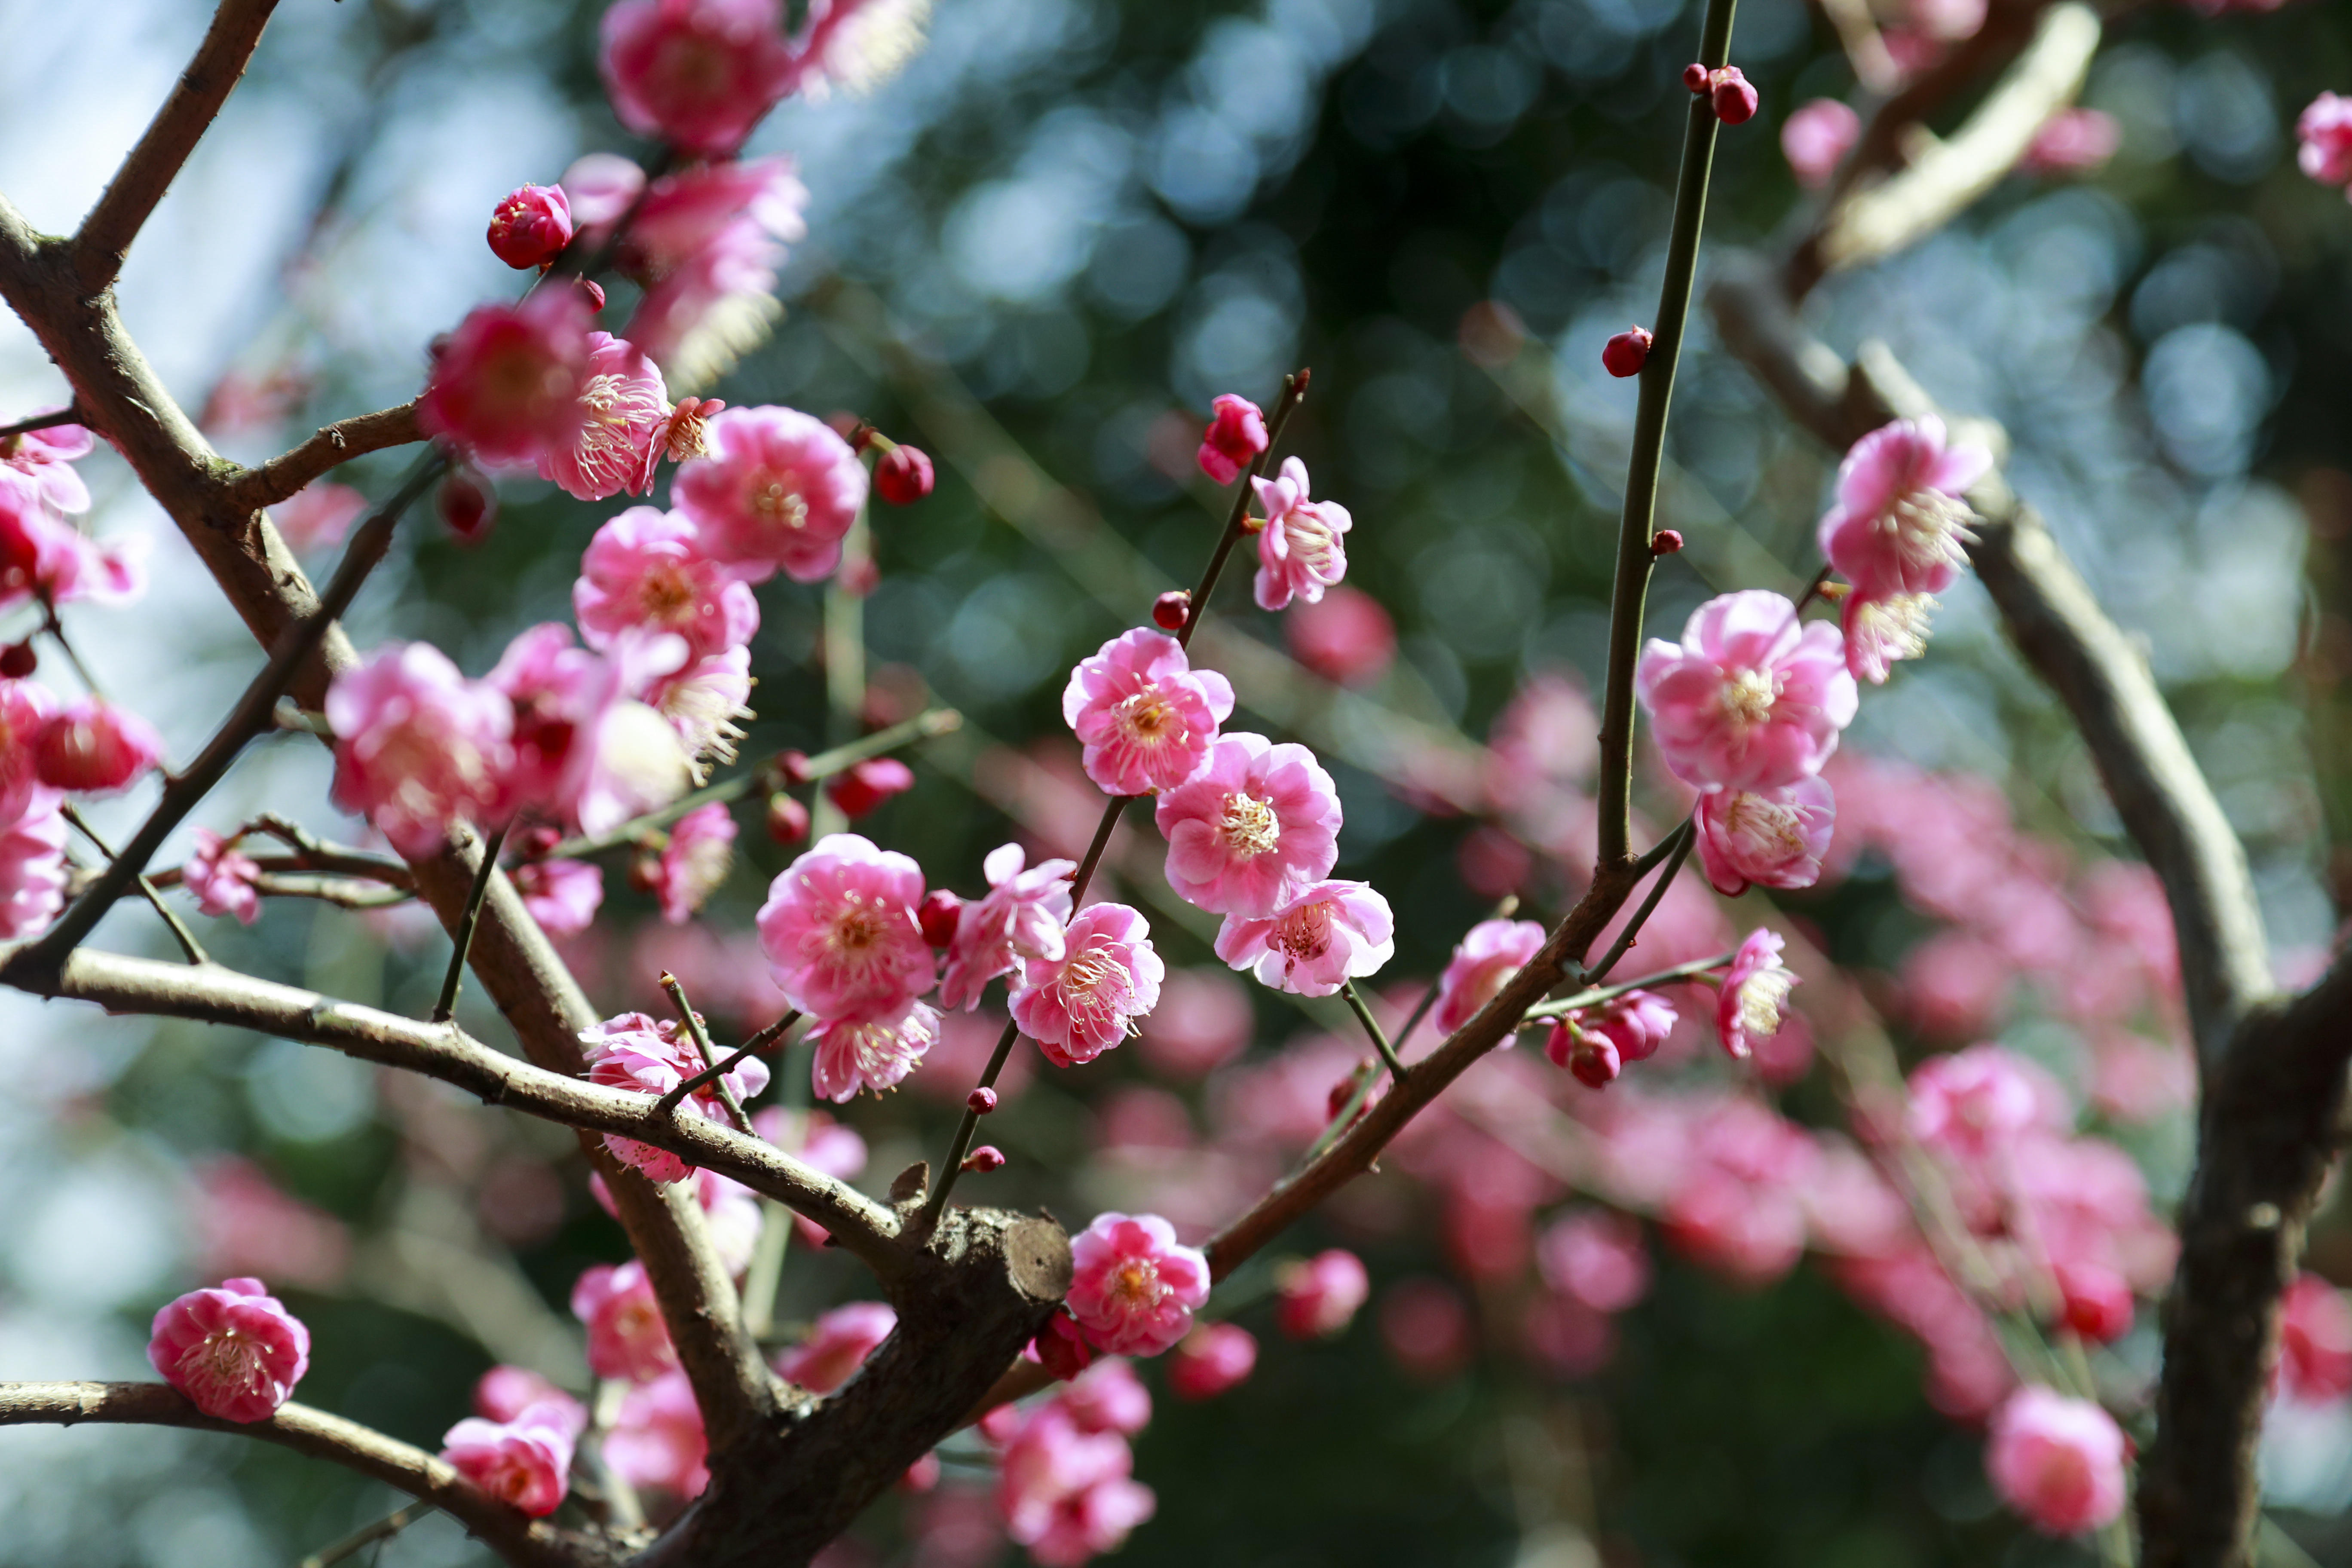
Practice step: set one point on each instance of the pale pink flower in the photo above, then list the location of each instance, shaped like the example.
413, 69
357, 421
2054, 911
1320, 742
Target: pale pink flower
2324, 132
1332, 932
1772, 838
506, 386
1815, 139
1134, 1288
1209, 1359
1346, 636
1596, 1258
1299, 552
562, 896
695, 860
526, 1462
707, 245
1317, 1298
2059, 1462
32, 866
318, 515
222, 879
504, 1392
1082, 1004
1236, 435
647, 568
1251, 828
586, 753
837, 1346
658, 1440
627, 1336
778, 490
1023, 917
703, 702
697, 74
1106, 1397
92, 747
2314, 1360
1755, 993
1144, 715
417, 745
1900, 522
1202, 1021
46, 458
635, 1051
840, 932
1065, 1494
1971, 1103
856, 45
531, 225
1882, 631
1751, 699
234, 1349
2072, 141
851, 1054
1490, 955
623, 425
43, 555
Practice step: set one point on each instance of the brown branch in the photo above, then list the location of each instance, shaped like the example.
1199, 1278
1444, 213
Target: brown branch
334, 445
522, 1540
152, 165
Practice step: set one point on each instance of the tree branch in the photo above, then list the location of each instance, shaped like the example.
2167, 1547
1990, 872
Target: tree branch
334, 445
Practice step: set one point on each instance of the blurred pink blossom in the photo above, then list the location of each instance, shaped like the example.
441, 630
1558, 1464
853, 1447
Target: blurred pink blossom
837, 1346
2059, 1462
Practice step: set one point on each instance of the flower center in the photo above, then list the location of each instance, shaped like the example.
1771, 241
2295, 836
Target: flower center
1249, 826
1765, 830
1748, 697
1095, 988
1760, 1001
1930, 527
602, 398
1305, 932
1897, 623
1136, 1284
776, 499
225, 1360
1148, 717
667, 596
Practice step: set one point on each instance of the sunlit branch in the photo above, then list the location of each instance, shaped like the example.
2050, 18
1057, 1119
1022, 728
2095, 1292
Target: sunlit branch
282, 477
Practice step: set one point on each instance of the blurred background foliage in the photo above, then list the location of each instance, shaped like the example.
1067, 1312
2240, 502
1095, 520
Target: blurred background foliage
1038, 253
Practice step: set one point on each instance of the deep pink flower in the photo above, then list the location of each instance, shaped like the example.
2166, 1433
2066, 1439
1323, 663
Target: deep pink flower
634, 1051
417, 745
623, 425
2094, 1301
1346, 637
526, 1462
1815, 139
1134, 1287
222, 879
778, 490
697, 74
1733, 95
1299, 552
1971, 1103
648, 568
1209, 1359
2314, 1341
32, 866
1332, 932
318, 515
1596, 1042
46, 458
1023, 917
856, 44
1318, 1298
1755, 993
658, 1440
44, 555
531, 226
695, 860
1252, 828
837, 1346
562, 896
504, 1392
627, 1336
703, 702
506, 385
92, 747
26, 708
2059, 1462
2324, 131
1082, 1004
1900, 521
586, 753
840, 932
1236, 435
234, 1349
1881, 631
1751, 699
1067, 1494
2072, 141
1482, 962
1145, 716
1595, 1258
851, 1054
1775, 838
1061, 1347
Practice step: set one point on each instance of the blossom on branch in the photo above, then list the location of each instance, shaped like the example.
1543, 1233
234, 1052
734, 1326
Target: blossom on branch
695, 860
1755, 994
1317, 1298
840, 932
1751, 699
1235, 435
699, 74
702, 703
234, 1349
1299, 552
1066, 1493
2324, 131
1023, 917
505, 388
1134, 1288
657, 1440
1082, 1004
1212, 1359
1773, 838
837, 1346
625, 417
1900, 523
1490, 955
1815, 139
32, 866
92, 747
2057, 1461
417, 745
777, 492
531, 226
851, 1054
1251, 829
1332, 932
1881, 630
1145, 716
627, 1336
1973, 1103
222, 879
635, 1051
43, 555
586, 752
526, 1461
44, 459
562, 896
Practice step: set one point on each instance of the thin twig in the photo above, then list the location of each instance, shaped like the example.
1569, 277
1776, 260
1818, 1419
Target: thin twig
69, 414
668, 1103
774, 1032
1373, 1028
1595, 995
283, 477
445, 1006
1294, 393
1678, 848
189, 945
383, 1529
710, 1070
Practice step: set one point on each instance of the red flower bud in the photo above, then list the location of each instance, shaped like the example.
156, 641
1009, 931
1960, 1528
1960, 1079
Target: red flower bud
1694, 77
986, 1158
937, 916
466, 506
1665, 541
788, 819
591, 291
903, 476
868, 784
1627, 352
536, 842
1171, 610
1734, 97
979, 1101
532, 226
18, 661
793, 767
1062, 1349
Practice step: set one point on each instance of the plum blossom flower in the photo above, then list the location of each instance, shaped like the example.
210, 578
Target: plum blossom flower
234, 1349
658, 1438
1256, 824
1755, 993
562, 896
623, 425
1236, 435
44, 459
1067, 1494
1815, 139
1134, 1288
417, 745
711, 241
695, 860
1596, 1258
1772, 838
852, 1054
837, 1346
627, 1336
1332, 932
1491, 953
506, 386
856, 45
43, 555
1209, 1359
1082, 1004
92, 747
1145, 716
2324, 132
531, 226
1023, 917
1751, 699
697, 74
634, 1051
32, 866
526, 1461
1299, 552
1971, 1102
1882, 631
505, 1391
778, 490
648, 568
702, 703
1346, 637
586, 753
222, 879
2059, 1462
1900, 522
840, 932
1317, 1298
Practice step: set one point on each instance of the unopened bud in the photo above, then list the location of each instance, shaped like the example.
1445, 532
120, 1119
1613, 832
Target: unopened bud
18, 661
1627, 352
1665, 541
1694, 77
532, 226
986, 1158
646, 872
979, 1101
863, 786
937, 916
1171, 610
903, 476
466, 506
793, 767
591, 291
1062, 1350
1734, 97
788, 819
536, 842
1594, 1061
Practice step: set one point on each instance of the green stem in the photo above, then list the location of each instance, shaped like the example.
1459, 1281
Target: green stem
445, 1007
1373, 1028
1594, 997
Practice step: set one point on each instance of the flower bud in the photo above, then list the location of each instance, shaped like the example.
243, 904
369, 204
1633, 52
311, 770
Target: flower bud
979, 1101
1627, 352
1595, 1061
532, 226
1694, 77
1665, 541
793, 767
591, 291
536, 842
1734, 97
788, 819
94, 747
646, 872
986, 1158
864, 786
903, 476
1062, 1349
466, 506
937, 916
1171, 610
18, 661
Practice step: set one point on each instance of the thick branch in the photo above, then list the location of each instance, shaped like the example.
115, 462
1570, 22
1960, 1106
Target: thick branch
320, 1436
334, 445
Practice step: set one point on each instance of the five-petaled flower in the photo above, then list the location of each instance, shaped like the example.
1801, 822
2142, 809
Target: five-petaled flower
1134, 1287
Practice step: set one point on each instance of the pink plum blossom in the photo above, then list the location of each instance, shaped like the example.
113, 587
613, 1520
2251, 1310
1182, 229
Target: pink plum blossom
837, 1346
1202, 1021
703, 702
1106, 1397
1212, 1359
2059, 1462
92, 747
505, 1391
1882, 631
32, 866
647, 568
856, 44
1332, 932
624, 426
1082, 1004
1596, 1042
627, 1336
234, 1349
695, 860
562, 896
417, 745
1299, 552
1900, 521
1251, 829
222, 879
777, 491
2314, 1362
1755, 994
318, 515
531, 225
840, 932
26, 709
1236, 435
634, 1051
587, 754
658, 1440
1346, 636
2324, 132
1490, 955
46, 458
1815, 139
1145, 716
43, 555
1595, 1258
1774, 838
851, 1054
697, 74
2072, 141
526, 1461
708, 243
1067, 1494
1971, 1103
1751, 699
1134, 1288
506, 386
1317, 1298
1022, 917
